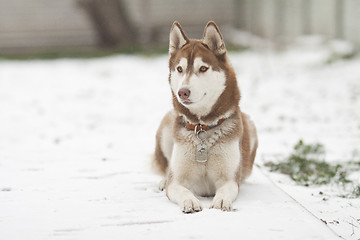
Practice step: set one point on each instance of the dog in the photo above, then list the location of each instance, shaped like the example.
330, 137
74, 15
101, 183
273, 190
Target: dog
205, 146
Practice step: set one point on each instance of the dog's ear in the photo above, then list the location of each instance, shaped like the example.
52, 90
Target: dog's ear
177, 37
213, 38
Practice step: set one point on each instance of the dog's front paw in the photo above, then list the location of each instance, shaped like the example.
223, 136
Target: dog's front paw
191, 205
222, 204
162, 184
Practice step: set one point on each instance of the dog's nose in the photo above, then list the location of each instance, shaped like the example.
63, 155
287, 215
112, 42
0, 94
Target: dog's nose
184, 93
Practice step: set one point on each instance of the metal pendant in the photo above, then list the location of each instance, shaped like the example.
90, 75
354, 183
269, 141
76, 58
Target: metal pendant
202, 148
201, 153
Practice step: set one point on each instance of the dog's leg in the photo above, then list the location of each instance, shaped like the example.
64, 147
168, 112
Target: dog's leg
162, 184
225, 195
183, 197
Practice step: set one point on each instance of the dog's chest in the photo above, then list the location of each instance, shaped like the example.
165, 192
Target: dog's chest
223, 158
221, 166
203, 184
202, 143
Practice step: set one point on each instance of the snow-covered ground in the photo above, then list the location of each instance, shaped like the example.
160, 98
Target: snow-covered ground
76, 136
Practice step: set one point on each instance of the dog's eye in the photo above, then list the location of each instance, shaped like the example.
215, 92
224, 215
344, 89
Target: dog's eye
203, 69
179, 69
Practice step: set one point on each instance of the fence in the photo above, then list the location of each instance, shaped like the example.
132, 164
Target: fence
53, 23
284, 20
43, 24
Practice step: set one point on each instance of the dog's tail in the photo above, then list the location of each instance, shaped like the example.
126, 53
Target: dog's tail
249, 146
164, 144
159, 163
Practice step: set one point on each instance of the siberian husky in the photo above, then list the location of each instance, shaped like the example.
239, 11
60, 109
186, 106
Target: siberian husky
205, 146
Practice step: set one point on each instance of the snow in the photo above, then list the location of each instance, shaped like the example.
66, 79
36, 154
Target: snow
77, 135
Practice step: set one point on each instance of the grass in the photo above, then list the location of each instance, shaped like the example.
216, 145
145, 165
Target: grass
85, 53
356, 192
306, 166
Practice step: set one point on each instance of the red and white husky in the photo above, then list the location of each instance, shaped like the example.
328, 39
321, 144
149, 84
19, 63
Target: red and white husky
205, 146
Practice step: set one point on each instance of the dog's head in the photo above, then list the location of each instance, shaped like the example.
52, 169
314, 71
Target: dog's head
202, 81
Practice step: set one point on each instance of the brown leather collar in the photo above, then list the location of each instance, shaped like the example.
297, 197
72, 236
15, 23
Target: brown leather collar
202, 127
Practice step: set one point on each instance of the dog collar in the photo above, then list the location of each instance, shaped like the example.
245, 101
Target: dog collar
201, 127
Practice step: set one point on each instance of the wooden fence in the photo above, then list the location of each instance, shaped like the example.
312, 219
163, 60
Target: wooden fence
63, 23
284, 20
43, 24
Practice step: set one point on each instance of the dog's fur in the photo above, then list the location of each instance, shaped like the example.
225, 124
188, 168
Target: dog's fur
213, 95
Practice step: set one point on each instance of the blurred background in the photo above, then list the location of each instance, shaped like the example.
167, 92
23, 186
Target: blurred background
75, 26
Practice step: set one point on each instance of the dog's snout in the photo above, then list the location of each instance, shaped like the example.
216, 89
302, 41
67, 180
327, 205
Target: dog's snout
184, 93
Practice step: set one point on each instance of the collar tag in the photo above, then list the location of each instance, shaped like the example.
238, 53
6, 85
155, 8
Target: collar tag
201, 152
202, 148
200, 131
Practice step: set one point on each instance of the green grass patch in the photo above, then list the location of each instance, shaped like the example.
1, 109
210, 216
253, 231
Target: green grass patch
356, 192
306, 166
84, 53
95, 52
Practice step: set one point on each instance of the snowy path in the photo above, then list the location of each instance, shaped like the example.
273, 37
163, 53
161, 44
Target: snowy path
76, 135
100, 202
